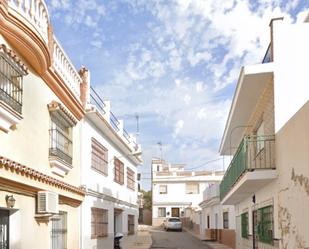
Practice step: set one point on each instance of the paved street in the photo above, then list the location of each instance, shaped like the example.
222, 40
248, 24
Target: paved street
175, 240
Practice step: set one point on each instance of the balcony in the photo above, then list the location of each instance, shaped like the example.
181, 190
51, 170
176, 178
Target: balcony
252, 167
60, 152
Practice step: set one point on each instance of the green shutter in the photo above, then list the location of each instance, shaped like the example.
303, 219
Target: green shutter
265, 225
244, 225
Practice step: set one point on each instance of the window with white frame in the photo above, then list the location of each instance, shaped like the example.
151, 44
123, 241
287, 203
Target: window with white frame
161, 212
162, 189
192, 188
225, 220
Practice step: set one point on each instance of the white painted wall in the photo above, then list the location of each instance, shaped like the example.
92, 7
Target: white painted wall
291, 69
100, 183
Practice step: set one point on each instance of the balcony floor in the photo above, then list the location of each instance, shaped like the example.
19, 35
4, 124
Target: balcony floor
248, 185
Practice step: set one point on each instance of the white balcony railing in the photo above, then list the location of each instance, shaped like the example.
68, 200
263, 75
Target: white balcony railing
211, 192
65, 69
35, 12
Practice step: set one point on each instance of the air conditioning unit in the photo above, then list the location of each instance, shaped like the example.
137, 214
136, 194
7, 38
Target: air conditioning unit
48, 202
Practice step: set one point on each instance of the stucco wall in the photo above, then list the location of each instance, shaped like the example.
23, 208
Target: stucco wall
293, 196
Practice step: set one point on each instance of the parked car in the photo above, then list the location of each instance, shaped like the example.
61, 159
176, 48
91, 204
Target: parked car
172, 223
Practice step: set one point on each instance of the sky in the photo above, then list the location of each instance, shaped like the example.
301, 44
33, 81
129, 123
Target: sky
174, 63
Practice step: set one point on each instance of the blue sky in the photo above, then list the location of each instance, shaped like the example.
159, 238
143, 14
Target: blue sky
173, 62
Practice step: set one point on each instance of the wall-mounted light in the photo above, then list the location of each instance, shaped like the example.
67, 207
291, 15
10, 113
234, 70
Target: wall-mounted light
10, 201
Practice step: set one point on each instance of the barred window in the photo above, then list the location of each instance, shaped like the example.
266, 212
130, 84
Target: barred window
130, 179
10, 83
99, 157
99, 223
162, 189
192, 188
131, 225
225, 220
59, 231
245, 225
161, 212
60, 139
265, 224
119, 171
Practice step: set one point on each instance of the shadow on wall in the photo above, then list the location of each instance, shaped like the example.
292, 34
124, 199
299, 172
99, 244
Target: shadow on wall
108, 241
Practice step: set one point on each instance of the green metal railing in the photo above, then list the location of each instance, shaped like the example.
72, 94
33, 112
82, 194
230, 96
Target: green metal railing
254, 152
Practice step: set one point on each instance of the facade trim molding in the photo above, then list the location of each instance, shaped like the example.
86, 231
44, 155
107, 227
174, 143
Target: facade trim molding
106, 197
172, 203
18, 168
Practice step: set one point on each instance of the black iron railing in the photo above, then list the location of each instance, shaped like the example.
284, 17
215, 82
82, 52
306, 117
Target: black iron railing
268, 56
114, 122
60, 145
96, 100
10, 85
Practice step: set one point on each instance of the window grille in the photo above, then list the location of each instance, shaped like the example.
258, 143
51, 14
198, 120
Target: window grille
265, 224
119, 171
99, 157
192, 188
245, 225
130, 179
60, 140
225, 220
59, 231
10, 84
99, 223
131, 224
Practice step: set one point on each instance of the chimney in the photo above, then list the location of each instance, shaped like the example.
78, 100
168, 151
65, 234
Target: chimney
84, 86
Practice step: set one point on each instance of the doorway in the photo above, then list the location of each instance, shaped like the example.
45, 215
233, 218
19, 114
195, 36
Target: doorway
117, 221
175, 212
4, 229
255, 229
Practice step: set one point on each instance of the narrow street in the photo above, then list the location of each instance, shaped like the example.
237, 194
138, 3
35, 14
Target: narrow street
175, 240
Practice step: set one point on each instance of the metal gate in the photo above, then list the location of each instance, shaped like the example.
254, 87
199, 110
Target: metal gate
4, 229
59, 231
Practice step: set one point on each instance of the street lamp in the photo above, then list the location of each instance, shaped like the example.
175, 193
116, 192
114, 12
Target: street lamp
10, 201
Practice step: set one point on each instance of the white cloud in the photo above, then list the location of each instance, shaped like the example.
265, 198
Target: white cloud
178, 127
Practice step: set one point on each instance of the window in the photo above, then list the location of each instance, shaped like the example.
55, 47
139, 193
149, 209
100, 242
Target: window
119, 171
208, 221
245, 225
192, 188
60, 139
162, 189
59, 231
225, 220
131, 224
161, 212
265, 227
99, 157
99, 223
130, 179
10, 82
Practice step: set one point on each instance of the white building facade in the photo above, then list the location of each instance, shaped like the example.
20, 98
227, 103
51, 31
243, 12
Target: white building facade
266, 132
174, 189
110, 157
217, 220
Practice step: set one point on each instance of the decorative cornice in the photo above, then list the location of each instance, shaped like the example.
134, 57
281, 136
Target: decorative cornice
29, 172
106, 197
38, 54
55, 106
12, 55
